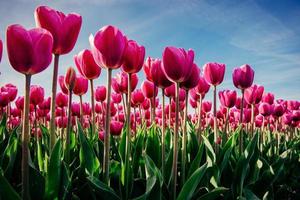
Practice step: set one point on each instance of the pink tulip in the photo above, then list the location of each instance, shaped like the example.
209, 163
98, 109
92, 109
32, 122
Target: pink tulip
206, 106
170, 91
108, 47
254, 94
100, 93
177, 63
116, 128
268, 98
133, 57
265, 109
116, 98
12, 91
214, 73
137, 97
278, 110
122, 82
227, 98
202, 86
243, 77
36, 94
61, 81
193, 80
293, 105
86, 65
20, 103
64, 28
148, 89
4, 99
70, 78
81, 86
29, 52
61, 100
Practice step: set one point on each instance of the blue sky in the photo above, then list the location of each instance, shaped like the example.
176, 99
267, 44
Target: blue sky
264, 34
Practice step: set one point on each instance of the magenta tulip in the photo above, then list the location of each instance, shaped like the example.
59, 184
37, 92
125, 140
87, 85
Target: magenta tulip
243, 77
177, 63
254, 94
64, 28
29, 52
61, 81
148, 89
268, 98
81, 86
100, 93
193, 80
133, 57
214, 73
12, 91
227, 98
36, 94
86, 65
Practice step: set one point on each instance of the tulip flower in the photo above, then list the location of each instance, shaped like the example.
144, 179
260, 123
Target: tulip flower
253, 96
29, 53
268, 98
242, 79
227, 99
12, 91
108, 49
89, 69
214, 75
177, 64
70, 81
65, 30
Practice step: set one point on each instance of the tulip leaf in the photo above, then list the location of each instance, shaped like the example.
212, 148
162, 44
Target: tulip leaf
87, 156
210, 154
101, 189
54, 172
191, 184
214, 194
6, 190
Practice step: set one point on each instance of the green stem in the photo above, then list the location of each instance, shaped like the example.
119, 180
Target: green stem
200, 119
163, 134
184, 139
67, 156
215, 120
53, 103
93, 106
241, 124
25, 141
175, 145
107, 130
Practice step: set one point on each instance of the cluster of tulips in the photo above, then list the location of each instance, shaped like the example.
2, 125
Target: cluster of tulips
127, 109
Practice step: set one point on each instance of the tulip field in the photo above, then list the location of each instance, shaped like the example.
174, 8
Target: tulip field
164, 139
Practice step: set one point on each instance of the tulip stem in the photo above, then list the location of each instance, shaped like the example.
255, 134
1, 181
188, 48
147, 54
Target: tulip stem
252, 120
81, 110
215, 120
226, 124
170, 115
53, 103
67, 156
25, 141
128, 135
163, 134
175, 152
241, 123
183, 156
93, 106
107, 130
200, 119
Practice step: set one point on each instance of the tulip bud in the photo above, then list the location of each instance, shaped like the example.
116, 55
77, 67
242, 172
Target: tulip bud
70, 78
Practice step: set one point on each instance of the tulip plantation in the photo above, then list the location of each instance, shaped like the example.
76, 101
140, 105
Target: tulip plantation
162, 140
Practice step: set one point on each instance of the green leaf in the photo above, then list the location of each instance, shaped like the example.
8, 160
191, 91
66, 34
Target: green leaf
54, 172
102, 189
215, 193
65, 182
6, 190
87, 156
153, 148
210, 154
191, 184
196, 162
9, 156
